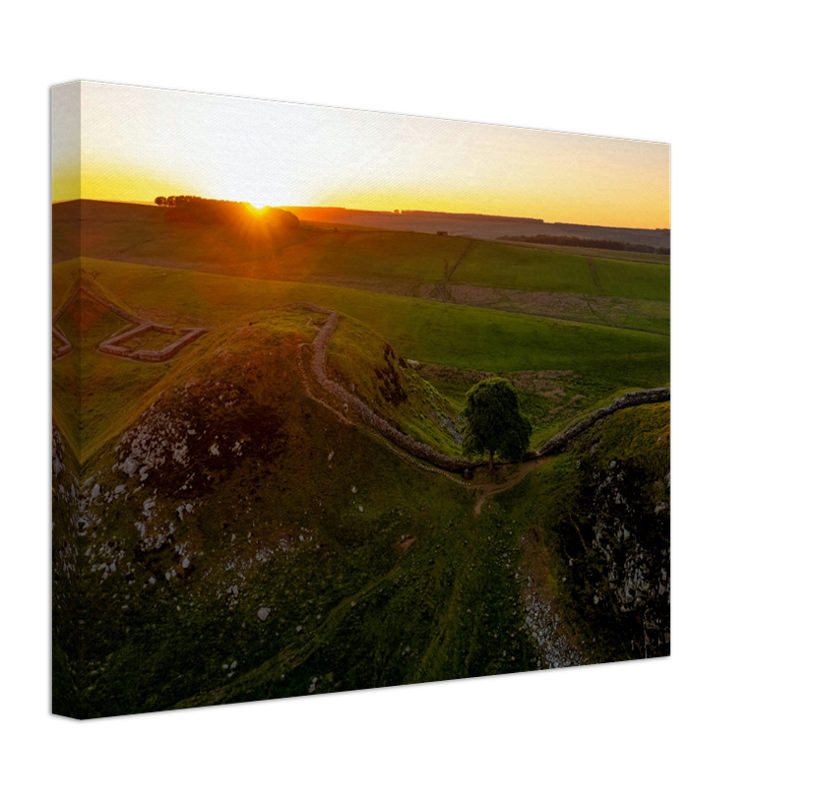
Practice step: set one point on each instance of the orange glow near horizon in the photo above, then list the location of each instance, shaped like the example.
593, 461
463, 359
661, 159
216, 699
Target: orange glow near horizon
138, 144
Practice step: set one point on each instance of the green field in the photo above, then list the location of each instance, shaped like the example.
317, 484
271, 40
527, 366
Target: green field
514, 267
599, 252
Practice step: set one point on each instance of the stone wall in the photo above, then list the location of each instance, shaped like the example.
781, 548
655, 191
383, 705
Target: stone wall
423, 451
188, 335
65, 346
112, 346
404, 441
560, 440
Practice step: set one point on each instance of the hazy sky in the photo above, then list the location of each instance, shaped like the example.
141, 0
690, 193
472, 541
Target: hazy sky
140, 143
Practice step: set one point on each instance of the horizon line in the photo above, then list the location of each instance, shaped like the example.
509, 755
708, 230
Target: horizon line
375, 211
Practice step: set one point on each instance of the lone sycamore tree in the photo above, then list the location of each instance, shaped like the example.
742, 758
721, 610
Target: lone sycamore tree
495, 423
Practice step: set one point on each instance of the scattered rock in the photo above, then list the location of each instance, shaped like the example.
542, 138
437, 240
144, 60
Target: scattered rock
130, 466
263, 614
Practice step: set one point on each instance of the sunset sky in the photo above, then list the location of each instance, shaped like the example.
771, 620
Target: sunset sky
140, 143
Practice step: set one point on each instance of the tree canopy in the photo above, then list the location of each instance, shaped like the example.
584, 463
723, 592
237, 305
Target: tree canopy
495, 423
190, 208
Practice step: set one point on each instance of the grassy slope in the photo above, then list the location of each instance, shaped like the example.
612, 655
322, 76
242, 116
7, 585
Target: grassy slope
382, 379
316, 252
361, 255
412, 581
513, 267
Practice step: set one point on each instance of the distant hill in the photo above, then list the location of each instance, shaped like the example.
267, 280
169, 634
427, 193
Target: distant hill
482, 226
125, 231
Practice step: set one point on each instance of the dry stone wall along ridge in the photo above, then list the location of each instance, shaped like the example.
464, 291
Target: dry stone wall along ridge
560, 440
426, 452
374, 420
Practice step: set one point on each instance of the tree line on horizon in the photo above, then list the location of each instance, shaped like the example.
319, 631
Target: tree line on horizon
578, 241
191, 208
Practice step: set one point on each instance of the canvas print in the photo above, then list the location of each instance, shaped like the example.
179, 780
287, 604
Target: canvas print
345, 400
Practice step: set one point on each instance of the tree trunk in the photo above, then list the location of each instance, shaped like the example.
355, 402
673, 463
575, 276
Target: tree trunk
491, 464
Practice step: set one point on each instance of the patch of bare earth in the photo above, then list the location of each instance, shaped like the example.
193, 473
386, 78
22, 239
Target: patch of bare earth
503, 477
561, 305
555, 646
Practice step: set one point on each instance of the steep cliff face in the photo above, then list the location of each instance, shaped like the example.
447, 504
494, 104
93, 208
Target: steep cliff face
632, 534
604, 532
67, 622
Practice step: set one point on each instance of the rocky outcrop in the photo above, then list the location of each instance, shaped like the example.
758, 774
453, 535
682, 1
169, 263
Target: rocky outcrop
626, 534
613, 544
